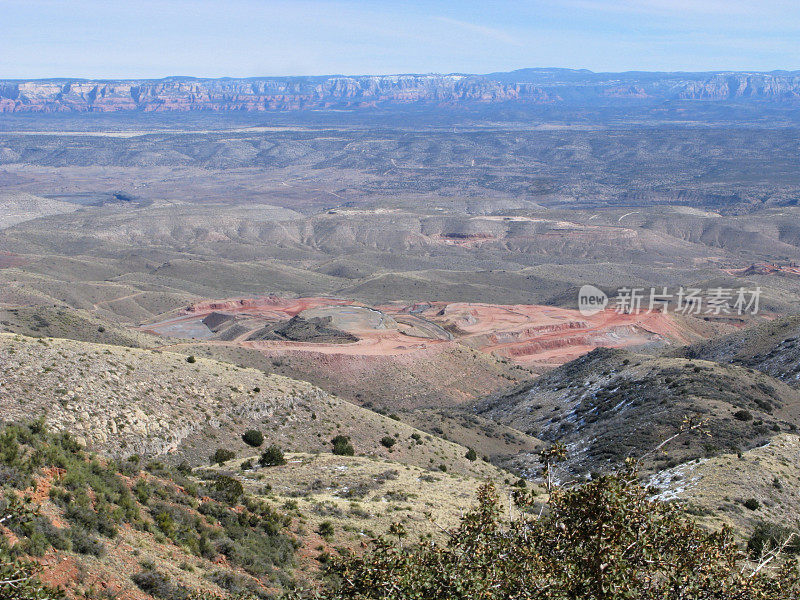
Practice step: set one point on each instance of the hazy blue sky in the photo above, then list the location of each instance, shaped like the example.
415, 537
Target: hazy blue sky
149, 38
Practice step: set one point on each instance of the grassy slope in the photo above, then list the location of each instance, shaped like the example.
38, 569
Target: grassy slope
611, 404
433, 377
362, 496
716, 489
125, 400
500, 443
772, 347
102, 525
70, 323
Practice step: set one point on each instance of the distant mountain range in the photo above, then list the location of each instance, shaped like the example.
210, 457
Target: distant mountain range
527, 86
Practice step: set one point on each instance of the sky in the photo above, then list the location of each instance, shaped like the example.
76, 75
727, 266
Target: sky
248, 38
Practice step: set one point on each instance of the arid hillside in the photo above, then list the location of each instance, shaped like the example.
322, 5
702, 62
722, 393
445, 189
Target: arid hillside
714, 488
611, 405
770, 347
141, 530
126, 401
249, 328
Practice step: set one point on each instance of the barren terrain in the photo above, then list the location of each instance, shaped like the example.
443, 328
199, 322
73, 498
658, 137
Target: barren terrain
380, 277
531, 335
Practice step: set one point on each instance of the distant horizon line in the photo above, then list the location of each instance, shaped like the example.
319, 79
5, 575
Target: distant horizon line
408, 74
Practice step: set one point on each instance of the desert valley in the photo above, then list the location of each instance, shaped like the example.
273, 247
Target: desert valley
250, 326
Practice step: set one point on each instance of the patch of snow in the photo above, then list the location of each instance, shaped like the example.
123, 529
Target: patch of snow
674, 488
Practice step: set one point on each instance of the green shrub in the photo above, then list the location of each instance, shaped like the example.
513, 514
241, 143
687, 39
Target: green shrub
56, 537
767, 537
272, 457
191, 359
99, 521
388, 441
238, 585
165, 523
607, 539
35, 544
342, 446
222, 455
326, 529
18, 576
142, 491
752, 504
471, 455
253, 438
159, 586
258, 552
743, 415
85, 543
228, 489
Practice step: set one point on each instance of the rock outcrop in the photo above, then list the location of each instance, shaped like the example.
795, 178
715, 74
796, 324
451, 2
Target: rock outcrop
540, 86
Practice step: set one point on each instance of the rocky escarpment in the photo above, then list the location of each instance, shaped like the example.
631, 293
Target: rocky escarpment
550, 86
260, 94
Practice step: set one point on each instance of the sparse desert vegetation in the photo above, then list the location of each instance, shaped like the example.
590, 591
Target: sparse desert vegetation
337, 353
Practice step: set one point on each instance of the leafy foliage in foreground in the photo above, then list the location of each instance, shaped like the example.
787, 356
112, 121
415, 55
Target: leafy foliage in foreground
17, 575
606, 539
213, 519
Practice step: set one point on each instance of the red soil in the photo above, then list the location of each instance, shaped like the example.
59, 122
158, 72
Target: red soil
527, 334
531, 334
45, 482
790, 269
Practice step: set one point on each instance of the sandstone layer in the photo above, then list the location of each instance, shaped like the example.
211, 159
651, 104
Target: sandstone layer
538, 86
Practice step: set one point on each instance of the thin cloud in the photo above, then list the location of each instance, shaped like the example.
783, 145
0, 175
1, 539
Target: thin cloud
686, 7
489, 32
